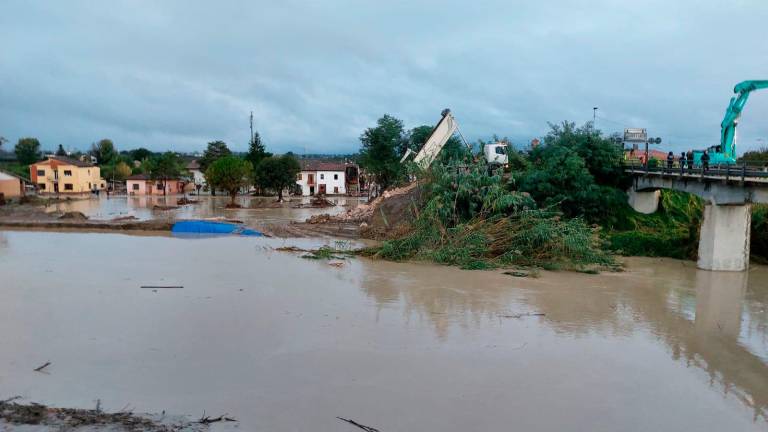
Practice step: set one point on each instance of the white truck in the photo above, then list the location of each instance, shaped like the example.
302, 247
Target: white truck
495, 155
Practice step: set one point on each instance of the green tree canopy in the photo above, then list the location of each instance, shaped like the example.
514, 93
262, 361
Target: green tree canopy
256, 150
277, 173
60, 151
27, 150
380, 146
229, 173
104, 151
579, 171
139, 154
214, 151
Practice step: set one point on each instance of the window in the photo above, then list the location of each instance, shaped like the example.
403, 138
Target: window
135, 186
41, 173
89, 185
335, 176
41, 186
322, 176
298, 176
335, 189
67, 173
68, 186
501, 150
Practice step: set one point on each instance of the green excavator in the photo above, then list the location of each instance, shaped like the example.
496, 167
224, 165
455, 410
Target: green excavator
725, 152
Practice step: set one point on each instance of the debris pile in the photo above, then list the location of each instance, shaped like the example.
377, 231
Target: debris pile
184, 201
48, 418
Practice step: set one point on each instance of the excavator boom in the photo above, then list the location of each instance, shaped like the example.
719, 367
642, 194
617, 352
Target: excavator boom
732, 114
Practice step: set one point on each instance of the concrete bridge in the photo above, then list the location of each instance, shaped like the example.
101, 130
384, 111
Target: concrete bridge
728, 192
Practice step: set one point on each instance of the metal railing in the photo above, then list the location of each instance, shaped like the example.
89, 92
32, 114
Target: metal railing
737, 172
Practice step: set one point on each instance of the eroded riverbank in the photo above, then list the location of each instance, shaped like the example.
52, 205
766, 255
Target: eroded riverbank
282, 343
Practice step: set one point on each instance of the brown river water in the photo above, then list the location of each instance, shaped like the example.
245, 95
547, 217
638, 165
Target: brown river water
287, 344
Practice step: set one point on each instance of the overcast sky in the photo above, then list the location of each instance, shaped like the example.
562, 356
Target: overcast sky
177, 74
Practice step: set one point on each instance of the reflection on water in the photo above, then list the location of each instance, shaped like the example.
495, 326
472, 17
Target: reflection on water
258, 334
702, 317
255, 209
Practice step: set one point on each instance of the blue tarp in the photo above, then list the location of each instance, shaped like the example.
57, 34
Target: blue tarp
210, 227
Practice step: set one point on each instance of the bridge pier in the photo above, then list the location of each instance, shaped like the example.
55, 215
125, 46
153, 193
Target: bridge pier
724, 237
646, 202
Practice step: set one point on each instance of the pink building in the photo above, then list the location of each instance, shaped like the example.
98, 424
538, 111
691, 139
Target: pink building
141, 184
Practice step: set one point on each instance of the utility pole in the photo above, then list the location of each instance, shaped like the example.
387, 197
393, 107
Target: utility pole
250, 140
594, 117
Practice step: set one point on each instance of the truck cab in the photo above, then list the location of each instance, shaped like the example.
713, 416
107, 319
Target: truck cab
496, 154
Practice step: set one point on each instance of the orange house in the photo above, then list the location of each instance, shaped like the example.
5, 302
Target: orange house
59, 174
142, 184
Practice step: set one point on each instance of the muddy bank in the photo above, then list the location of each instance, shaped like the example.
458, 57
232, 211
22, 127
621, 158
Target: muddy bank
88, 225
15, 415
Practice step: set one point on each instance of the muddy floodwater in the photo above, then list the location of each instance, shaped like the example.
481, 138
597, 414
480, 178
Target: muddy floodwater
256, 210
287, 344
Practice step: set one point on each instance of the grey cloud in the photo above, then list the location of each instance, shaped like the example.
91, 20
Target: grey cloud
177, 74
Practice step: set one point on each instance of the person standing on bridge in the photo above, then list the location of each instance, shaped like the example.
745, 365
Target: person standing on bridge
690, 160
705, 161
681, 161
670, 161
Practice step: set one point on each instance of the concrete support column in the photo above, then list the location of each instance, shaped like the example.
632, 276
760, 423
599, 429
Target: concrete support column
644, 202
724, 238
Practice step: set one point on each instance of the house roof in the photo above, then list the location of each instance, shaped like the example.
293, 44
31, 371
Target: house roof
13, 175
193, 165
316, 165
146, 177
70, 161
138, 177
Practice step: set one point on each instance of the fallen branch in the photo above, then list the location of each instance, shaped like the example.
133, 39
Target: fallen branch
361, 426
208, 420
40, 369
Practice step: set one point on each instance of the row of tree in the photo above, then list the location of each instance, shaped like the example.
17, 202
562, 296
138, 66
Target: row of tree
259, 168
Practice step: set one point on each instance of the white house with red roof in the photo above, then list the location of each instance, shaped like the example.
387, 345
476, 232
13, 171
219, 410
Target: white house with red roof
322, 178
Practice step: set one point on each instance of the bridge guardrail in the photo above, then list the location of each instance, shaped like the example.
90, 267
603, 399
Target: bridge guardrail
740, 171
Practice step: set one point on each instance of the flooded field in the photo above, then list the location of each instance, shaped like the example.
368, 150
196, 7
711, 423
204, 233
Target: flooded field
255, 209
287, 344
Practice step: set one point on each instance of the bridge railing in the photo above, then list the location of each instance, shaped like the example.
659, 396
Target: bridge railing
739, 171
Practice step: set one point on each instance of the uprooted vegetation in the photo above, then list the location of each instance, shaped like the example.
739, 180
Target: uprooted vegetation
473, 220
45, 418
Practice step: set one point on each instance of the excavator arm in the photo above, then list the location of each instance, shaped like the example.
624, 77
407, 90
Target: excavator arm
732, 114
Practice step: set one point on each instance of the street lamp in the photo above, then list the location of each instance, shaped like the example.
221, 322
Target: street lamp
594, 117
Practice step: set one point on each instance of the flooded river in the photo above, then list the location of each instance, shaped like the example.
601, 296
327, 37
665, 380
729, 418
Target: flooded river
287, 344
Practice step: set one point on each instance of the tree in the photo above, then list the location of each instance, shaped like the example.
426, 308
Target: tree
256, 150
27, 150
214, 151
60, 151
2, 140
140, 154
122, 171
163, 167
579, 171
229, 173
104, 151
277, 173
379, 153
